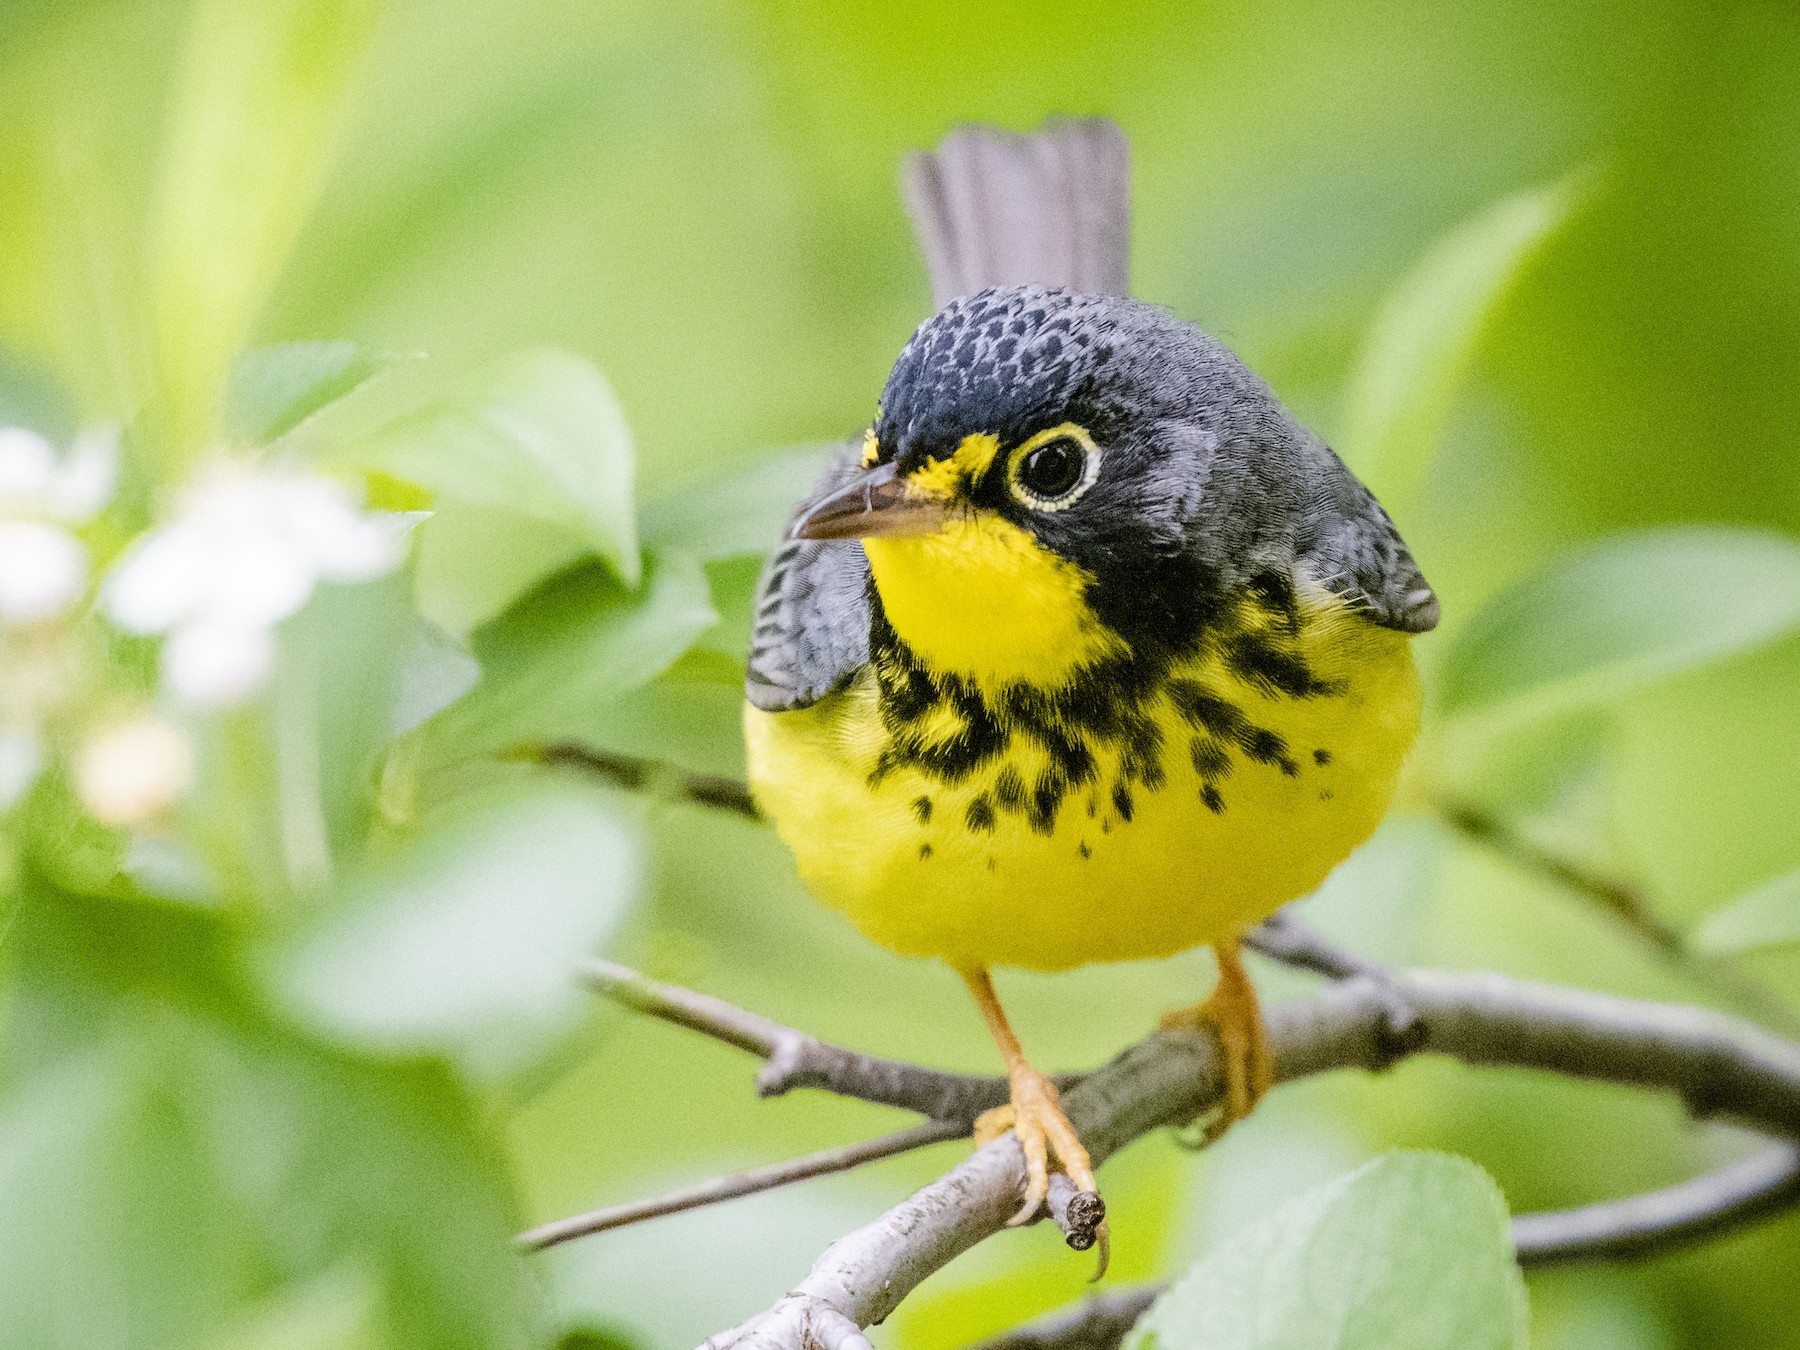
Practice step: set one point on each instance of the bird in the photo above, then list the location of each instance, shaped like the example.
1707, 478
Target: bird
1085, 650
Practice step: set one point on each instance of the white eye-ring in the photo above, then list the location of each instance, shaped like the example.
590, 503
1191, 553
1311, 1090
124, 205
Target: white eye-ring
1050, 471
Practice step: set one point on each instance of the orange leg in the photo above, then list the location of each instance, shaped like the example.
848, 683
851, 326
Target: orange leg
1035, 1113
1233, 1014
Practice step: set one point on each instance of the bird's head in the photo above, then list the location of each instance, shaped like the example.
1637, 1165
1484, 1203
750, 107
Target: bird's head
1054, 479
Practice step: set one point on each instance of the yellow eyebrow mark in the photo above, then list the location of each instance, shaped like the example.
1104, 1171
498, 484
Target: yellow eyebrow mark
943, 477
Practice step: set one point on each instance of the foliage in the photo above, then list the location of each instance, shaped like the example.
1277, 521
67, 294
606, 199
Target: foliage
1409, 1252
288, 1047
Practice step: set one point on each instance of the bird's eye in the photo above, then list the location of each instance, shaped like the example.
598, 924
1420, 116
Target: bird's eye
1050, 471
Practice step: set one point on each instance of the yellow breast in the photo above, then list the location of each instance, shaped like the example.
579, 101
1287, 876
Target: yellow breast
1047, 826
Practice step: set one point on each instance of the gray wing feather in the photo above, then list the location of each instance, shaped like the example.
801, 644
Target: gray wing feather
1356, 552
812, 614
1053, 208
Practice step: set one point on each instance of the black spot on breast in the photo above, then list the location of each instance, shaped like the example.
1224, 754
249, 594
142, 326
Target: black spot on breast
924, 852
1046, 798
1321, 757
1214, 802
1009, 789
993, 866
1121, 798
921, 808
1201, 707
1211, 759
1265, 747
1268, 669
1084, 850
980, 815
1326, 795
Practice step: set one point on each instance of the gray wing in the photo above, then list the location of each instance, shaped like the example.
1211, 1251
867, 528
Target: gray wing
1355, 550
1052, 208
812, 613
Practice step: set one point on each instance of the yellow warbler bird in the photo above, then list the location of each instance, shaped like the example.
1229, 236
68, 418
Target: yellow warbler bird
1089, 651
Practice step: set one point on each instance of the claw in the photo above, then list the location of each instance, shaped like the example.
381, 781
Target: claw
1233, 1014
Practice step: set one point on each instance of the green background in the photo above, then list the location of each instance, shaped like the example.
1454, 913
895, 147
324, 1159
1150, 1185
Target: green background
700, 198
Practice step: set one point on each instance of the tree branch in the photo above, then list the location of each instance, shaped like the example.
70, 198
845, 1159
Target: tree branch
1718, 1065
796, 1060
652, 776
749, 1182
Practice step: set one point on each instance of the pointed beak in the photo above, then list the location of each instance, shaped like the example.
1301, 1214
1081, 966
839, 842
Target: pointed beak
878, 502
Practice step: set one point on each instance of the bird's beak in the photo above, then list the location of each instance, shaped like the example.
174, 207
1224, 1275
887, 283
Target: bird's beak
878, 502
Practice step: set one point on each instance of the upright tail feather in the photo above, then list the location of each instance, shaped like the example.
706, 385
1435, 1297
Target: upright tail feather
1051, 208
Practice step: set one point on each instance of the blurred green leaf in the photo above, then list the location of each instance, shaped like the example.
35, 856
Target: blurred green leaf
1410, 1252
30, 398
258, 107
113, 1228
272, 390
1626, 611
1768, 916
1424, 338
570, 647
463, 939
340, 1310
741, 511
537, 443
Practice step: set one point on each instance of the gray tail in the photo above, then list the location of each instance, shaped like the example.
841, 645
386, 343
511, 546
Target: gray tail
1052, 208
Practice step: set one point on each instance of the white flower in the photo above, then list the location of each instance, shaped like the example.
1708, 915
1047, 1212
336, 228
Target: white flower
43, 567
248, 548
214, 665
43, 570
132, 772
35, 483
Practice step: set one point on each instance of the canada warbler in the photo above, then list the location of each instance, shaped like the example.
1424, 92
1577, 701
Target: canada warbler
1088, 651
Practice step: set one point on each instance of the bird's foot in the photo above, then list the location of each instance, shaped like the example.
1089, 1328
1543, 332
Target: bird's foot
1036, 1115
1232, 1014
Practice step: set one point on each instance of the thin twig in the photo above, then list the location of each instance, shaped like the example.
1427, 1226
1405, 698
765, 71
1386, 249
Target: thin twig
1098, 1322
749, 1182
1733, 1197
796, 1060
1616, 897
637, 774
1625, 903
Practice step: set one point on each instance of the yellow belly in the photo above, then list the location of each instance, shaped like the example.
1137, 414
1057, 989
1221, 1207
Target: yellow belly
957, 870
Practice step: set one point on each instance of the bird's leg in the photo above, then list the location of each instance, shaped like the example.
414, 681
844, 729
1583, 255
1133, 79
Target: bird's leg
1035, 1113
1232, 1013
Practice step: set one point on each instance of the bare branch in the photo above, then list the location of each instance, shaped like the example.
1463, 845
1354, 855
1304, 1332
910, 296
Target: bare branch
1625, 903
653, 776
1733, 1197
1098, 1322
1719, 1065
796, 1060
756, 1179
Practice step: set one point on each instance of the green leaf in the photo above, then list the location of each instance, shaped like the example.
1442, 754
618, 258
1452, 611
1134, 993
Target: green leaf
1410, 1252
538, 438
741, 511
1424, 338
272, 390
259, 104
568, 649
1628, 610
1768, 916
463, 941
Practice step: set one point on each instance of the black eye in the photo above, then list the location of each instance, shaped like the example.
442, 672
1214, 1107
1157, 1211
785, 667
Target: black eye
1054, 469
